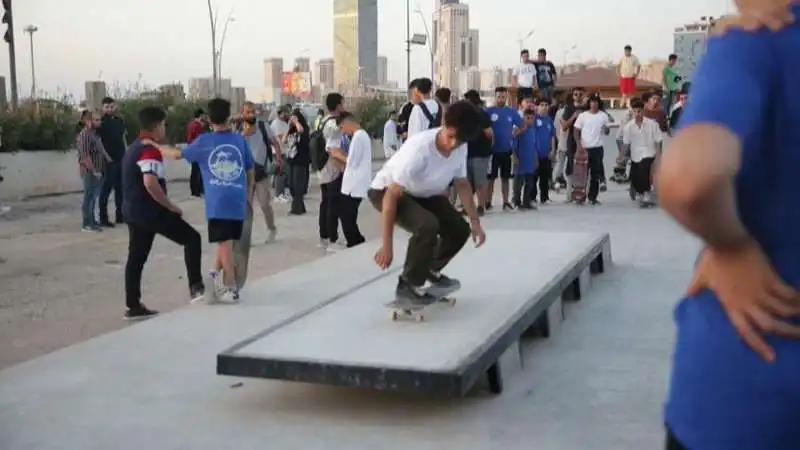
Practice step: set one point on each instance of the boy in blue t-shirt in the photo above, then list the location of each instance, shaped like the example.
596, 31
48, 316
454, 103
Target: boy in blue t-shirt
525, 158
226, 165
545, 131
730, 177
504, 120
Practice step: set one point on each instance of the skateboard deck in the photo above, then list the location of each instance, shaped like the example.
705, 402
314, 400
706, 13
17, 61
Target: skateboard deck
580, 171
401, 309
241, 249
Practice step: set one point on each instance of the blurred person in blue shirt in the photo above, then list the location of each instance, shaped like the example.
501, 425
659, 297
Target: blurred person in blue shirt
545, 131
526, 158
504, 119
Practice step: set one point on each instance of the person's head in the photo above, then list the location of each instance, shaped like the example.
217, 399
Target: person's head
249, 112
348, 123
284, 113
578, 96
298, 115
151, 122
320, 112
637, 105
541, 55
393, 115
673, 59
473, 97
90, 118
526, 104
443, 95
334, 103
594, 103
462, 122
421, 89
500, 96
651, 100
628, 49
543, 107
109, 106
219, 111
525, 55
198, 114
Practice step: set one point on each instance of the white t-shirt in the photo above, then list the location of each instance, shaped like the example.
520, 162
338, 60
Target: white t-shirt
420, 168
628, 66
417, 121
642, 139
526, 75
591, 126
333, 140
358, 172
391, 141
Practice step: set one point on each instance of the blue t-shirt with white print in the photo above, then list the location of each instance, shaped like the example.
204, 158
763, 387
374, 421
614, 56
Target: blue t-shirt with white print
723, 396
224, 159
504, 119
545, 130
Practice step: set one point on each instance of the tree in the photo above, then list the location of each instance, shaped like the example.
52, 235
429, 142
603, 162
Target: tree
372, 114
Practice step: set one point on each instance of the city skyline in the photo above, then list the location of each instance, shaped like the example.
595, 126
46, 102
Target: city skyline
174, 45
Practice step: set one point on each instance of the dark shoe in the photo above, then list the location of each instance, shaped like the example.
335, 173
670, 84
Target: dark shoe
197, 293
488, 206
412, 295
481, 211
440, 281
508, 207
139, 312
594, 202
603, 187
528, 207
106, 224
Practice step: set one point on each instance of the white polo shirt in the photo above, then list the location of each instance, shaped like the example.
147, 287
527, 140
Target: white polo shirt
526, 75
420, 168
358, 171
642, 138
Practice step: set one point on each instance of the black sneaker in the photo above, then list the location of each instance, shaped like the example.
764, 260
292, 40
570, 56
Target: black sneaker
594, 203
603, 187
413, 295
481, 211
107, 224
528, 207
140, 312
488, 206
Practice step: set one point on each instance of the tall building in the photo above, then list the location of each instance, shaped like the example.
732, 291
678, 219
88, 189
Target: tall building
355, 42
470, 49
469, 78
690, 45
492, 78
238, 97
383, 71
203, 88
435, 29
452, 35
95, 91
173, 90
273, 74
323, 74
302, 64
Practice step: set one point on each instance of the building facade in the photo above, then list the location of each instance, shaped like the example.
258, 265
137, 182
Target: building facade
302, 64
452, 35
273, 76
468, 79
95, 91
383, 71
203, 88
355, 42
492, 78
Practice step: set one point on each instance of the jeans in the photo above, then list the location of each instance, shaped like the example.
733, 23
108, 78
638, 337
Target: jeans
281, 182
91, 192
544, 172
141, 235
112, 181
330, 207
298, 187
438, 232
523, 189
349, 216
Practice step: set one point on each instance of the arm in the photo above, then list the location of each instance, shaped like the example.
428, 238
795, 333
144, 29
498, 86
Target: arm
152, 186
696, 176
102, 149
578, 126
83, 146
416, 121
514, 76
333, 143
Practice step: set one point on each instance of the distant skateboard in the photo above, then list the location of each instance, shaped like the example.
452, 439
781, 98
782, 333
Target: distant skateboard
241, 260
579, 176
402, 309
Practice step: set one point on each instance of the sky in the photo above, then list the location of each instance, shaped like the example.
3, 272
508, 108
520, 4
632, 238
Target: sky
162, 41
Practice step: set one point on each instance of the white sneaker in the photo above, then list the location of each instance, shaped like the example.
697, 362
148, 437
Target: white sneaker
273, 234
323, 243
229, 296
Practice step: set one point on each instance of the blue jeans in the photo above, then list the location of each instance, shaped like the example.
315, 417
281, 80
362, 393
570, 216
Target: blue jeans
91, 192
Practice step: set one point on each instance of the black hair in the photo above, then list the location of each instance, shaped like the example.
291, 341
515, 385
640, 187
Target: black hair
198, 112
424, 85
320, 112
344, 116
301, 118
628, 47
473, 97
542, 51
107, 100
413, 84
524, 52
85, 113
392, 112
333, 101
542, 101
443, 95
500, 89
673, 57
578, 88
646, 97
637, 103
150, 117
466, 118
219, 111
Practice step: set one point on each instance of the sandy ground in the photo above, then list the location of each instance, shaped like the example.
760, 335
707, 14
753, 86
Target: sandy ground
61, 286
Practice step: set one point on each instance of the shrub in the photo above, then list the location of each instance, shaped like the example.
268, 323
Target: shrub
372, 114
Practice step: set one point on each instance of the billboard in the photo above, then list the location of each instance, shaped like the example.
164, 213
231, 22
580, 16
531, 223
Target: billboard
296, 84
690, 47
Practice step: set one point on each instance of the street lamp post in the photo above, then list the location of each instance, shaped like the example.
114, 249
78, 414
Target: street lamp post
430, 41
522, 39
567, 52
228, 21
30, 29
212, 18
408, 42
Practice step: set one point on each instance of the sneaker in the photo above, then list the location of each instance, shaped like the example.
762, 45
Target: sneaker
488, 207
545, 202
528, 207
595, 202
90, 229
509, 207
273, 234
197, 293
413, 295
229, 295
442, 282
140, 312
107, 224
323, 243
334, 247
481, 211
603, 187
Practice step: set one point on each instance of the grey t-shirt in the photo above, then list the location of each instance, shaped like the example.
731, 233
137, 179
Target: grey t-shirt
257, 146
333, 139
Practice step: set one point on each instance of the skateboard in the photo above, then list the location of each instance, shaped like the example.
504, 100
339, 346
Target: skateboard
241, 260
401, 309
579, 177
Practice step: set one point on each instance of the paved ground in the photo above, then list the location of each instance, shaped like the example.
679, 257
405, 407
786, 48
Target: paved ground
61, 286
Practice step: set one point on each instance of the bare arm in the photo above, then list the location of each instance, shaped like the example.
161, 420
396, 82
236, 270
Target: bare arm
578, 138
389, 214
338, 154
696, 184
467, 198
251, 185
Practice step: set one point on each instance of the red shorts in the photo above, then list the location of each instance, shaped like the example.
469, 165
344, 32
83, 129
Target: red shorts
627, 86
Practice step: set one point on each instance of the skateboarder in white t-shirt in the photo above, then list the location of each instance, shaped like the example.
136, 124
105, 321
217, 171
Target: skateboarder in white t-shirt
408, 191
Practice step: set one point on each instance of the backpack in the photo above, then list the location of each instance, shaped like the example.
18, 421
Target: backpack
433, 122
316, 145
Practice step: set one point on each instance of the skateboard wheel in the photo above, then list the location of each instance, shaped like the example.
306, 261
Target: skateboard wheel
420, 318
395, 316
451, 301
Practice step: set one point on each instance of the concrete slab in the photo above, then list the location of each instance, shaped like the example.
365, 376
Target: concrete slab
507, 285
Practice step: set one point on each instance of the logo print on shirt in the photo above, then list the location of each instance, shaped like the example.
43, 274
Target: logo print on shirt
226, 165
495, 117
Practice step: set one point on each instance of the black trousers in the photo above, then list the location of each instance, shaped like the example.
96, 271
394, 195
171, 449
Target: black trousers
542, 177
438, 232
298, 187
330, 207
141, 236
349, 217
111, 182
523, 189
196, 181
640, 175
596, 171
